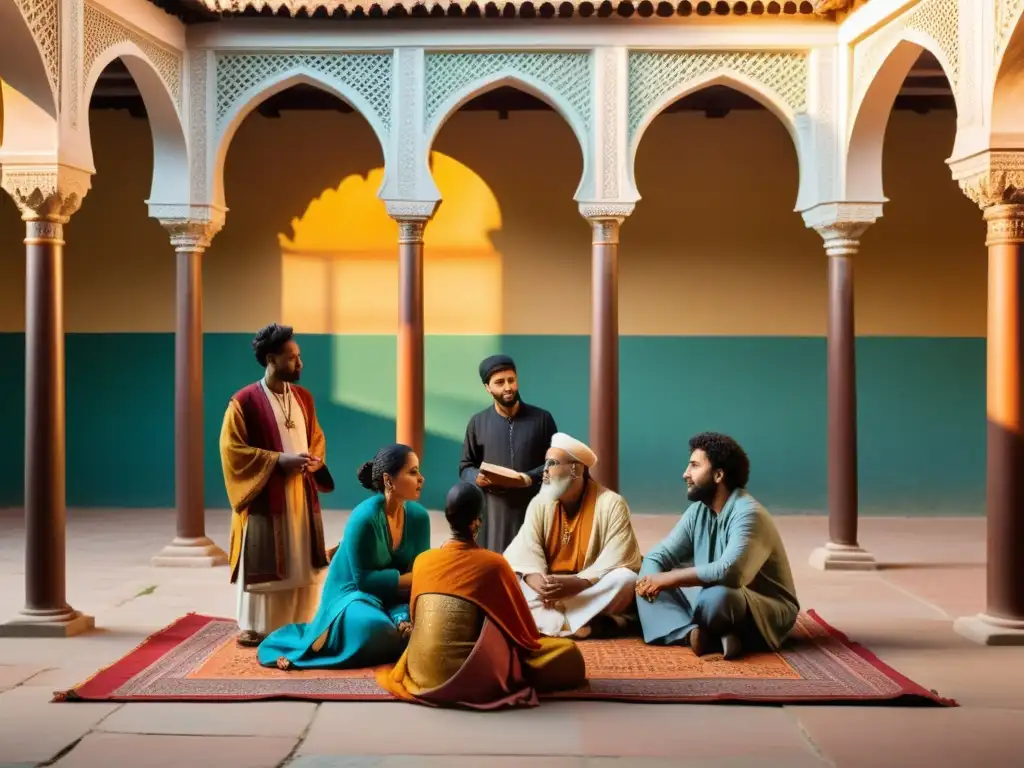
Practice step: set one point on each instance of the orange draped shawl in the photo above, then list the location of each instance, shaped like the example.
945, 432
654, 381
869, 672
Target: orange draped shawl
476, 575
481, 577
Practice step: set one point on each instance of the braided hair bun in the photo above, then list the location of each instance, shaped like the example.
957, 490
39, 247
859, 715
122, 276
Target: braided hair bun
390, 460
365, 475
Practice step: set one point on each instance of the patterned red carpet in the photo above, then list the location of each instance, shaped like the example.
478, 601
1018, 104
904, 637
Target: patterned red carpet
196, 659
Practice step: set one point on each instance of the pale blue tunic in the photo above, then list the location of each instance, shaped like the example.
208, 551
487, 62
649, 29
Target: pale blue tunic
739, 548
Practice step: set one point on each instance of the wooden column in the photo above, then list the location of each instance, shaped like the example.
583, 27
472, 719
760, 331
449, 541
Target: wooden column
604, 350
1002, 623
410, 413
45, 209
842, 551
190, 546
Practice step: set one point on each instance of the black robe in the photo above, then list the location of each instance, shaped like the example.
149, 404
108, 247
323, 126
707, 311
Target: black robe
518, 443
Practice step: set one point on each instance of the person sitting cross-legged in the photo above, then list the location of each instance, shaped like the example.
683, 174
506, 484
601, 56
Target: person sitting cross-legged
721, 578
474, 643
576, 555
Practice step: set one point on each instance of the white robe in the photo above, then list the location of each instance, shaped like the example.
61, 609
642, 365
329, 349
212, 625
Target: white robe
262, 608
612, 561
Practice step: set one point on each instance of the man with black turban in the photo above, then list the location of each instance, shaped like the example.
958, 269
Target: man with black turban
510, 434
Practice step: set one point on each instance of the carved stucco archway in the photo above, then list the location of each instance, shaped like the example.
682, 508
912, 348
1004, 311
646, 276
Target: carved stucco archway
561, 80
244, 81
881, 63
170, 151
29, 69
776, 80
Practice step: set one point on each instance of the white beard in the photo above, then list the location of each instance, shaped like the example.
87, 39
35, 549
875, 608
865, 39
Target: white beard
553, 490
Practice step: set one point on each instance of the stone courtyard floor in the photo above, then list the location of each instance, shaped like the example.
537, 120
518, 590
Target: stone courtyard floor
933, 571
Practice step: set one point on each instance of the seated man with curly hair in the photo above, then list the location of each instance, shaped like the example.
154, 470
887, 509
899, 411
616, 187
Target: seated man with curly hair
721, 578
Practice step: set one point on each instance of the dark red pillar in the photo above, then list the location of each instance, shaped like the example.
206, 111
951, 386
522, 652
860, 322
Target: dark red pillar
190, 546
410, 411
604, 351
46, 612
1002, 623
842, 551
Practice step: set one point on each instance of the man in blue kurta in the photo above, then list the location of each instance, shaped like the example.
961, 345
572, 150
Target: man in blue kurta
721, 578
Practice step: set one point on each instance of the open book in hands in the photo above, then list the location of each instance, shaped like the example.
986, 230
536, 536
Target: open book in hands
503, 476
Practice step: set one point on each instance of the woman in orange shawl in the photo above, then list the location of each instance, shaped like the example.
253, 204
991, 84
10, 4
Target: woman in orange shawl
474, 642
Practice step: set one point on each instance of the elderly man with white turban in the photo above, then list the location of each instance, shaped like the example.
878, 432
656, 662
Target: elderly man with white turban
576, 554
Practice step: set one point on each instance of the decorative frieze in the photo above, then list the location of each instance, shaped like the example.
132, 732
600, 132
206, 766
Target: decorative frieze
242, 76
1008, 13
938, 20
566, 76
43, 20
103, 31
654, 75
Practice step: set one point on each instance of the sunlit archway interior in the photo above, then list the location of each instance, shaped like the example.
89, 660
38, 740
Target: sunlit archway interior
720, 275
340, 277
920, 301
520, 272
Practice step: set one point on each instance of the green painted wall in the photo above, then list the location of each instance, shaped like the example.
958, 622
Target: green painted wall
921, 413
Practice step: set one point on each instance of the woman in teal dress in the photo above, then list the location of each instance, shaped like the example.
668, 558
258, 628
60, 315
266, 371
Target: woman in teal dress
363, 618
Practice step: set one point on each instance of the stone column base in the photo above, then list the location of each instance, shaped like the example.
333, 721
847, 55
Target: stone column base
842, 557
990, 630
190, 553
58, 623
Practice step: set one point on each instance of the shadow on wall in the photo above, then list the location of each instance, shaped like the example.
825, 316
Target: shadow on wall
340, 278
757, 282
922, 447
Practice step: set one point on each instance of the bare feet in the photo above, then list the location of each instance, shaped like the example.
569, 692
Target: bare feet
249, 639
404, 630
732, 648
582, 633
698, 641
283, 663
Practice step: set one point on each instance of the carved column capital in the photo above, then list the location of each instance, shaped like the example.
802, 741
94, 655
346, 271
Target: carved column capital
46, 193
991, 178
605, 219
411, 209
1005, 224
605, 231
189, 234
412, 217
841, 225
411, 230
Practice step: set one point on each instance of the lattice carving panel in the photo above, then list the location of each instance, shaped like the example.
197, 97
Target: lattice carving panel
103, 31
654, 74
75, 57
43, 20
1007, 14
368, 74
197, 88
938, 19
567, 74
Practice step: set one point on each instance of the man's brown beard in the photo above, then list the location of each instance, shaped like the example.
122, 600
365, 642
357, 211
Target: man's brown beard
500, 400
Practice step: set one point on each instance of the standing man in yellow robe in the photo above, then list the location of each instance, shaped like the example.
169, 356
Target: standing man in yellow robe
272, 451
576, 554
